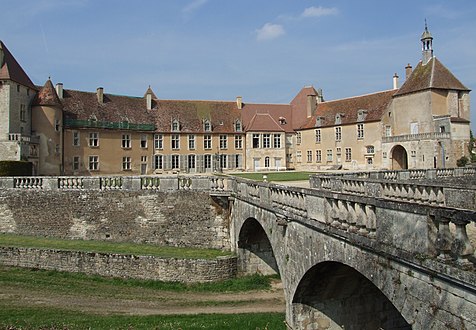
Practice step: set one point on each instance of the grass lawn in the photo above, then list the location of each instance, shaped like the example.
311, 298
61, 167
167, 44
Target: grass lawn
276, 176
109, 247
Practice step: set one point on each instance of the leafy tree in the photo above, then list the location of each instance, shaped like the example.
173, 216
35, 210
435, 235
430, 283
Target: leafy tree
471, 148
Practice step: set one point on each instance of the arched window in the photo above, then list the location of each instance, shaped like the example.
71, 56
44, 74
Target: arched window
175, 125
207, 126
266, 162
237, 125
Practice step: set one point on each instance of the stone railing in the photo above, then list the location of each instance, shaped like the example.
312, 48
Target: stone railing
385, 222
416, 137
213, 184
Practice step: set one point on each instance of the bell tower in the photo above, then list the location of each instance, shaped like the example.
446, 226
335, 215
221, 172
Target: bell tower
427, 45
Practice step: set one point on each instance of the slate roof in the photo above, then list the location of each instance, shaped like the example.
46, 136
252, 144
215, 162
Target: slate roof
433, 75
375, 104
11, 70
47, 96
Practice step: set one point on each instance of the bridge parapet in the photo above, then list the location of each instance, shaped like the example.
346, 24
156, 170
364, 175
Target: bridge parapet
429, 235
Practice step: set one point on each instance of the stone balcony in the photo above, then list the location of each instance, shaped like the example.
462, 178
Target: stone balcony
416, 137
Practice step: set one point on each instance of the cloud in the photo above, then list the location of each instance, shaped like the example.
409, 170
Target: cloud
194, 5
319, 11
269, 31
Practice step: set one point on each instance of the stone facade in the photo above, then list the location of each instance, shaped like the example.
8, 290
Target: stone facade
120, 265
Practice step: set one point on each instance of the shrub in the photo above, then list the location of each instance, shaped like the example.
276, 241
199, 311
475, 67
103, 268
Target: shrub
15, 168
462, 161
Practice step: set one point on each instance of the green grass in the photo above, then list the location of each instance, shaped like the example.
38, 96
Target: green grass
64, 282
109, 247
48, 318
276, 176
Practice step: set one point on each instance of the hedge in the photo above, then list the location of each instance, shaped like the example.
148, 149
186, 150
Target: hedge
15, 168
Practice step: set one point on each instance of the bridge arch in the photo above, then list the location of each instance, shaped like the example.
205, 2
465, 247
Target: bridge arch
399, 158
333, 295
255, 252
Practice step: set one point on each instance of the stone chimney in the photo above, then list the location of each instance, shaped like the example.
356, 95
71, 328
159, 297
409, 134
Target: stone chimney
395, 81
59, 90
311, 105
100, 94
239, 102
149, 101
320, 96
408, 71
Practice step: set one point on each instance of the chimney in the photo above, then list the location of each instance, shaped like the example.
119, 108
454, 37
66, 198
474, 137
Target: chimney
59, 90
320, 96
100, 94
408, 71
395, 81
239, 102
149, 101
311, 105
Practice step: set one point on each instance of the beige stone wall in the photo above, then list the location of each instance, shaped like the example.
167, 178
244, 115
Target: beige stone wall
256, 157
358, 146
408, 109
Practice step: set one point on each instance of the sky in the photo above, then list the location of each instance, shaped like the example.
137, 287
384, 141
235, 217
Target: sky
262, 50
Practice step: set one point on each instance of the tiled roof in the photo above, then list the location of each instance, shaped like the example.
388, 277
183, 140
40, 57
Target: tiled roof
273, 112
191, 115
11, 70
431, 75
47, 96
374, 105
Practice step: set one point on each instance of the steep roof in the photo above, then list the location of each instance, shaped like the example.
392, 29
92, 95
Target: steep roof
431, 75
266, 117
374, 105
11, 70
47, 96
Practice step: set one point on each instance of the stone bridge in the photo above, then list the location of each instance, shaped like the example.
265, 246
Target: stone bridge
377, 250
381, 250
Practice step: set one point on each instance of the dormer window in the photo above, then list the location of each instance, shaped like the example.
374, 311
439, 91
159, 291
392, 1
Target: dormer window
282, 121
361, 115
175, 125
237, 125
338, 120
207, 126
93, 118
319, 121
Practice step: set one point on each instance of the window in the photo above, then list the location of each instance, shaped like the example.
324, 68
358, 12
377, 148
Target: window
191, 161
238, 142
338, 133
191, 142
93, 163
413, 128
309, 156
175, 139
318, 136
266, 161
442, 129
255, 141
143, 159
413, 153
207, 141
126, 163
76, 139
298, 138
370, 149
223, 161
18, 88
277, 141
22, 112
94, 139
266, 140
238, 126
57, 125
126, 141
175, 126
298, 156
370, 160
348, 154
76, 161
361, 114
207, 161
360, 131
207, 126
338, 118
143, 141
175, 162
329, 155
388, 130
158, 162
223, 142
158, 141
318, 156
237, 161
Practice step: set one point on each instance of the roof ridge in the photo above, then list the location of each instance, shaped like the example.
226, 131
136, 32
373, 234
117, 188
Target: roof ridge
363, 95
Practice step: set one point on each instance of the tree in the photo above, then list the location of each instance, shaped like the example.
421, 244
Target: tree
471, 147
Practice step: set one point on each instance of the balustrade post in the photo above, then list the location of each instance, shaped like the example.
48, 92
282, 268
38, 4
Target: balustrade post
361, 219
461, 246
371, 220
443, 238
352, 219
342, 209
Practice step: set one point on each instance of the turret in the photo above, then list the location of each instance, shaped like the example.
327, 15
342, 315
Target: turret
427, 45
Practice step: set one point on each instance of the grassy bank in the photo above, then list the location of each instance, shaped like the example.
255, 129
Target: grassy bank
109, 247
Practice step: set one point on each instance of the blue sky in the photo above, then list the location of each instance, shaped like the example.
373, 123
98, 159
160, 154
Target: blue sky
264, 51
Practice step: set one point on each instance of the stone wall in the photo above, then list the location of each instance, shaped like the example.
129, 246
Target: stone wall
177, 218
121, 265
